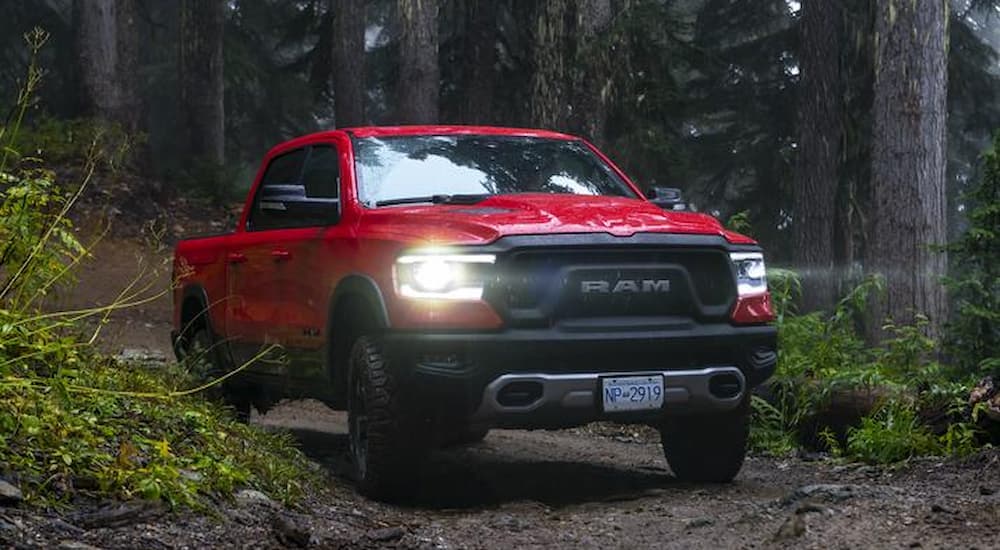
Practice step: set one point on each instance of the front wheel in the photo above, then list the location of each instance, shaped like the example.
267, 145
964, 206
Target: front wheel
385, 444
707, 448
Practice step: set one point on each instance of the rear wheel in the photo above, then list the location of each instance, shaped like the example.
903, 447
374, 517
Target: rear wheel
707, 448
385, 442
205, 362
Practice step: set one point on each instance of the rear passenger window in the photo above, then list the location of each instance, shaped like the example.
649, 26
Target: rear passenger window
299, 189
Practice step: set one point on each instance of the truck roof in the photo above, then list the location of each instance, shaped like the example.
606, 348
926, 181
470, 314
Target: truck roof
437, 130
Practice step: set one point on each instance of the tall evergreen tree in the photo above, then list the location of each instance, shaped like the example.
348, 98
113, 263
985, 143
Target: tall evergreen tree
418, 89
909, 160
818, 159
548, 83
349, 62
201, 79
106, 42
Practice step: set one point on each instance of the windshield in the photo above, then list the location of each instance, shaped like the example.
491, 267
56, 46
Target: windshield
392, 169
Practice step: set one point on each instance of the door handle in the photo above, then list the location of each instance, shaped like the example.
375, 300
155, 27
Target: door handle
281, 255
236, 258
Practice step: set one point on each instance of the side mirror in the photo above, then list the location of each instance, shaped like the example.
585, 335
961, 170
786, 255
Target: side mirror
290, 203
667, 198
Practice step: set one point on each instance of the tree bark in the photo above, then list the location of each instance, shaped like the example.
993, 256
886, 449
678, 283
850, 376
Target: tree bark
548, 83
817, 165
908, 162
592, 81
419, 74
106, 41
349, 62
480, 62
201, 79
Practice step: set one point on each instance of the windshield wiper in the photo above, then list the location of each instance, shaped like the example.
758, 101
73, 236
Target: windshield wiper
437, 199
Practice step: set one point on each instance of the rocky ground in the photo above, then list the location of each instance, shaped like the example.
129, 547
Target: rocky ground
598, 487
588, 488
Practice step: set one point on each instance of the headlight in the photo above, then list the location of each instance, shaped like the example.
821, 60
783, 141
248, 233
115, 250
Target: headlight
751, 275
441, 276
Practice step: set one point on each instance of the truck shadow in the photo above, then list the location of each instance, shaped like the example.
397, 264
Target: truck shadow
486, 475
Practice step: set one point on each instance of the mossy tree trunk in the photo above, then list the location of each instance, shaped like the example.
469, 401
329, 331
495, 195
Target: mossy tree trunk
909, 149
419, 75
202, 23
106, 41
548, 84
817, 165
349, 62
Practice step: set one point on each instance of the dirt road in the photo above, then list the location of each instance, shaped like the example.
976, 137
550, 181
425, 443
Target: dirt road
576, 489
589, 488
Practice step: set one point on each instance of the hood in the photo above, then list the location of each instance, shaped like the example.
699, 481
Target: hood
531, 214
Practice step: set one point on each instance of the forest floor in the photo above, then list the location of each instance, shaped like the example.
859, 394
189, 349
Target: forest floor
595, 487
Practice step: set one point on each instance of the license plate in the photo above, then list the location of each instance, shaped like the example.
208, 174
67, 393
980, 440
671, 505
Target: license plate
632, 393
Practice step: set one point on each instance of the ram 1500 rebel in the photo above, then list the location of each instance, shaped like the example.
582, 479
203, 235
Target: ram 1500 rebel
439, 281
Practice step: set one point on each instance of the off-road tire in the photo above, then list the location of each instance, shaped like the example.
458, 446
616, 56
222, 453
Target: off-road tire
205, 362
707, 448
385, 442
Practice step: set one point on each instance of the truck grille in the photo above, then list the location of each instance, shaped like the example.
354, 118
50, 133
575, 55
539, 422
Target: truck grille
544, 286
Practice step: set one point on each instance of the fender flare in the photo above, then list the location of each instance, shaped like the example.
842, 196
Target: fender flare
364, 287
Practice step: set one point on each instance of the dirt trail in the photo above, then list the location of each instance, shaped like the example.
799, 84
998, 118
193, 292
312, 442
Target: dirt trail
569, 489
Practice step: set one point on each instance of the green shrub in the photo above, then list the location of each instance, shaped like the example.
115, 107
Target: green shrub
73, 421
973, 335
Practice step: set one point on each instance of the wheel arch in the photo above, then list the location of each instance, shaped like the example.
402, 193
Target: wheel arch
357, 306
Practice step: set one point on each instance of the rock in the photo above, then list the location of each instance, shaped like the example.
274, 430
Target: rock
251, 496
698, 522
938, 509
141, 355
387, 534
810, 508
290, 532
9, 494
986, 491
794, 527
119, 515
824, 491
75, 545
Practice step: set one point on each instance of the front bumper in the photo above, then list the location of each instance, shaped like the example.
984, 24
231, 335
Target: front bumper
464, 375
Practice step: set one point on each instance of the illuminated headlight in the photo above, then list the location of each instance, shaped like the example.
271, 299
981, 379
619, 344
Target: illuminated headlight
440, 276
751, 275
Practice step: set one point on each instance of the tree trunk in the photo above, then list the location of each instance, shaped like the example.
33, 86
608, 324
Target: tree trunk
592, 81
817, 165
548, 83
480, 62
419, 74
106, 42
201, 79
349, 62
908, 161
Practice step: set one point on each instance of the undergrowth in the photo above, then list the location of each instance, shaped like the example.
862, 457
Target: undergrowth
908, 403
76, 423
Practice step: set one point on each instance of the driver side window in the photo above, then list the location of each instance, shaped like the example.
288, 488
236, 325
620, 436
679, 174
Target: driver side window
300, 188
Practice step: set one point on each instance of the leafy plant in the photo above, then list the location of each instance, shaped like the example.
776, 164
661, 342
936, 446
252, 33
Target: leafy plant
973, 335
73, 421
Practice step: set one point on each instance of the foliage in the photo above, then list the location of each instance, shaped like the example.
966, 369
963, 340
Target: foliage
92, 425
973, 336
823, 354
64, 142
73, 421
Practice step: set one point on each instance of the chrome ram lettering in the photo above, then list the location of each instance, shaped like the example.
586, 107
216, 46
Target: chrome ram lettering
626, 286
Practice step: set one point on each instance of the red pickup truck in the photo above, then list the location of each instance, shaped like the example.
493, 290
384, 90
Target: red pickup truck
439, 281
